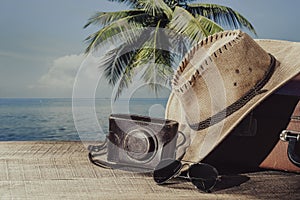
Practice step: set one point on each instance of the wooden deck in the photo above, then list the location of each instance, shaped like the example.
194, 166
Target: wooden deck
61, 170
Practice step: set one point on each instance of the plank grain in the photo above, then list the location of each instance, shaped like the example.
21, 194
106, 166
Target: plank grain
61, 170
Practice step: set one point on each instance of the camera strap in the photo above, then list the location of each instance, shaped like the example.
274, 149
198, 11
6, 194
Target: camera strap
108, 165
96, 151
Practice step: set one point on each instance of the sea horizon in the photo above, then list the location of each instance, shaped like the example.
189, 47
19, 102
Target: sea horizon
51, 119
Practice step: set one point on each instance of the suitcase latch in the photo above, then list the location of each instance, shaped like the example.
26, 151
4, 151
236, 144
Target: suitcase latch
287, 135
293, 138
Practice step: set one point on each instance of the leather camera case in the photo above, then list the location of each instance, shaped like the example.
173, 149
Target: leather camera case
141, 141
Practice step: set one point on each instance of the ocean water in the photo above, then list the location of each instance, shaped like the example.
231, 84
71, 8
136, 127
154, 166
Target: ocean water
52, 119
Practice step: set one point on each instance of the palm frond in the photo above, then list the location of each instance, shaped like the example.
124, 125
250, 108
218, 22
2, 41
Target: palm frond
152, 37
128, 2
156, 59
115, 62
124, 82
124, 79
122, 27
220, 14
178, 44
185, 23
159, 69
209, 25
105, 18
122, 58
155, 7
156, 74
156, 42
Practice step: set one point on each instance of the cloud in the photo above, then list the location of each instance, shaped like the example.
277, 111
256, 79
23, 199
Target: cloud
79, 76
69, 72
61, 74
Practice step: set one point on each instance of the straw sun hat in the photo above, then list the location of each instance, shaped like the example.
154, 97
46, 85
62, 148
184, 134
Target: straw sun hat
221, 80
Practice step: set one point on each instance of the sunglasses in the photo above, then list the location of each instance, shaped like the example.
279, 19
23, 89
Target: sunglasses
203, 176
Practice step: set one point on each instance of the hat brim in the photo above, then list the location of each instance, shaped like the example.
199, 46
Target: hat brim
204, 141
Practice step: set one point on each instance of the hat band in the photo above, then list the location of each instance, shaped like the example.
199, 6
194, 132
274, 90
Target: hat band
239, 103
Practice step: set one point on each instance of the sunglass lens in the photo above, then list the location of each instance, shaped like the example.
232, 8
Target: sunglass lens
203, 176
166, 170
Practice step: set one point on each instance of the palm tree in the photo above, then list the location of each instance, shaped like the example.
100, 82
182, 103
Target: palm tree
167, 20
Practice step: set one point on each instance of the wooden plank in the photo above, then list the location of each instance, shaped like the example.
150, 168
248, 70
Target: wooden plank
61, 170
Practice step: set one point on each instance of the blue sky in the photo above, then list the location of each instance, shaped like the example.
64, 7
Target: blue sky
42, 41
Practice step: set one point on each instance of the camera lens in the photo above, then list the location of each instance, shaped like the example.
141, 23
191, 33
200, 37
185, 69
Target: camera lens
139, 145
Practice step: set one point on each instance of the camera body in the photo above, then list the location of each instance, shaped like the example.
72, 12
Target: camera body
141, 141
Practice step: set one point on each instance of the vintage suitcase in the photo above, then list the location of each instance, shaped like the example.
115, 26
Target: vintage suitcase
255, 143
286, 150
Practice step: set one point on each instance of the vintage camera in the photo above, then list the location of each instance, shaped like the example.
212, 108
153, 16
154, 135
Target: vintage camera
140, 141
